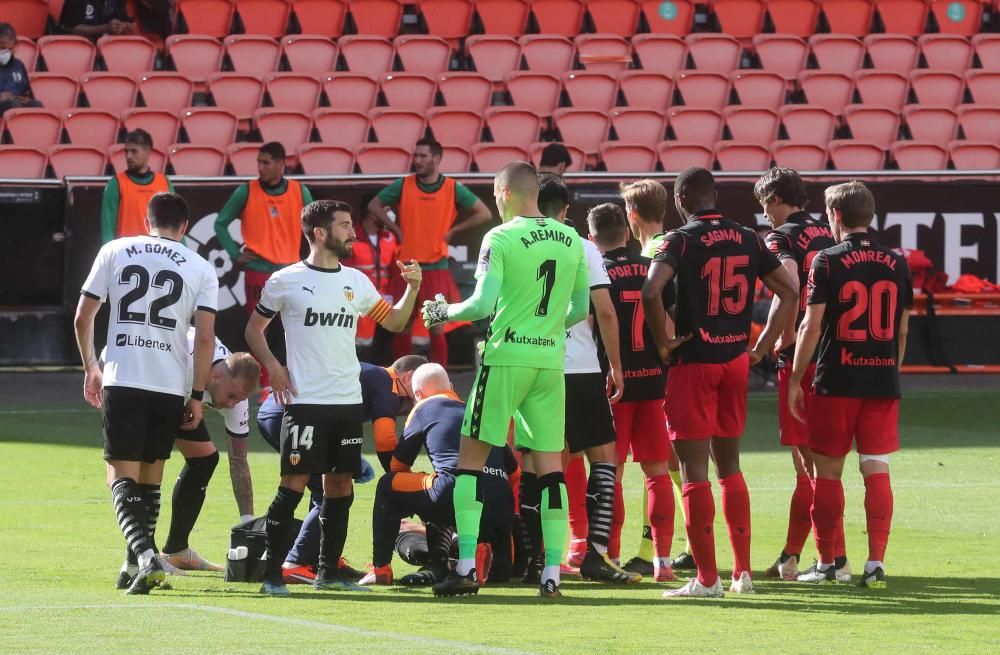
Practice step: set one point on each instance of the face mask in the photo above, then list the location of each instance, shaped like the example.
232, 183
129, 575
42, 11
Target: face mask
5, 56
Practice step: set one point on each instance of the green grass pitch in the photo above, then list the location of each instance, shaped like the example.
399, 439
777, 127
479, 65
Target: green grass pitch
60, 550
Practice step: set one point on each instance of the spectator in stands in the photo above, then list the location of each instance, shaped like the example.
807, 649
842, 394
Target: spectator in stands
427, 204
123, 209
95, 18
15, 88
555, 159
375, 254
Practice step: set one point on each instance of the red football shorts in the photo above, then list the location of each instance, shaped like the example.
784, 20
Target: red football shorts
836, 421
641, 429
793, 432
707, 400
253, 287
433, 283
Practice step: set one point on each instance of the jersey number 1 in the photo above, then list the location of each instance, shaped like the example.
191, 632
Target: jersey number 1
546, 273
160, 281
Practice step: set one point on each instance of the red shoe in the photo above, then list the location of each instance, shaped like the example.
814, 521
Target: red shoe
484, 562
377, 575
664, 574
577, 550
566, 569
298, 574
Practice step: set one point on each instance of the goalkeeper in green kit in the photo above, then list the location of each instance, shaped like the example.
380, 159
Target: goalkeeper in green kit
532, 278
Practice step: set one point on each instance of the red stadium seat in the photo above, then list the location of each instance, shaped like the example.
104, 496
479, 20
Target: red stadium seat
397, 127
91, 127
646, 89
937, 88
584, 128
798, 156
536, 92
708, 90
455, 127
377, 17
503, 17
829, 90
56, 92
577, 157
449, 19
374, 158
240, 94
619, 17
979, 122
338, 127
876, 125
852, 17
320, 17
491, 157
167, 91
27, 52
740, 18
639, 125
264, 17
293, 91
795, 17
960, 17
71, 160
33, 128
130, 55
946, 52
660, 53
716, 53
323, 159
882, 88
208, 17
669, 17
675, 157
751, 124
290, 128
907, 17
783, 54
919, 156
111, 91
195, 56
196, 160
837, 53
469, 91
627, 157
242, 158
547, 53
987, 48
558, 16
409, 91
494, 56
934, 124
591, 90
253, 55
974, 155
28, 17
455, 160
21, 162
161, 124
892, 52
157, 161
371, 55
603, 53
848, 155
67, 55
984, 86
760, 88
348, 91
734, 156
209, 126
808, 124
428, 55
691, 125
309, 54
513, 125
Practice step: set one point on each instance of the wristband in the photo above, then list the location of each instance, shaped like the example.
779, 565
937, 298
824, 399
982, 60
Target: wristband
197, 394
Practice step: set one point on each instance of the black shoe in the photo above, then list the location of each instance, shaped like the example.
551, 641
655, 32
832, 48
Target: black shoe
683, 562
457, 585
873, 580
599, 568
533, 574
347, 572
638, 565
425, 577
147, 578
125, 578
549, 589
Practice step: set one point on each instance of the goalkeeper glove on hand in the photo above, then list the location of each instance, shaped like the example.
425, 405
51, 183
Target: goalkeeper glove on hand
435, 312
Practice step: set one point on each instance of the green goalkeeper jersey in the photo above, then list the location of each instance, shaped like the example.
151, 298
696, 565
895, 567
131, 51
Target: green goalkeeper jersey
653, 245
538, 263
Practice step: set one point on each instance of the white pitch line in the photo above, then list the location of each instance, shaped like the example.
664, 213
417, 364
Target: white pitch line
81, 410
455, 646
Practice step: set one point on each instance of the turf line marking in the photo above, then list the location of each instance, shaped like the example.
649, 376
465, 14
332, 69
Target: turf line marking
453, 645
81, 410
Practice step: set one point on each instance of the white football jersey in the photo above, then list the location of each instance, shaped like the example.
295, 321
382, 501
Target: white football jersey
319, 309
581, 349
154, 286
237, 419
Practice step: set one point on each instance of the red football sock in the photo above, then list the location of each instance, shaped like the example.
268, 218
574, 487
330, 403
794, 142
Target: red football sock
617, 521
699, 513
576, 492
660, 495
402, 344
840, 550
736, 509
827, 514
878, 508
799, 521
439, 349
